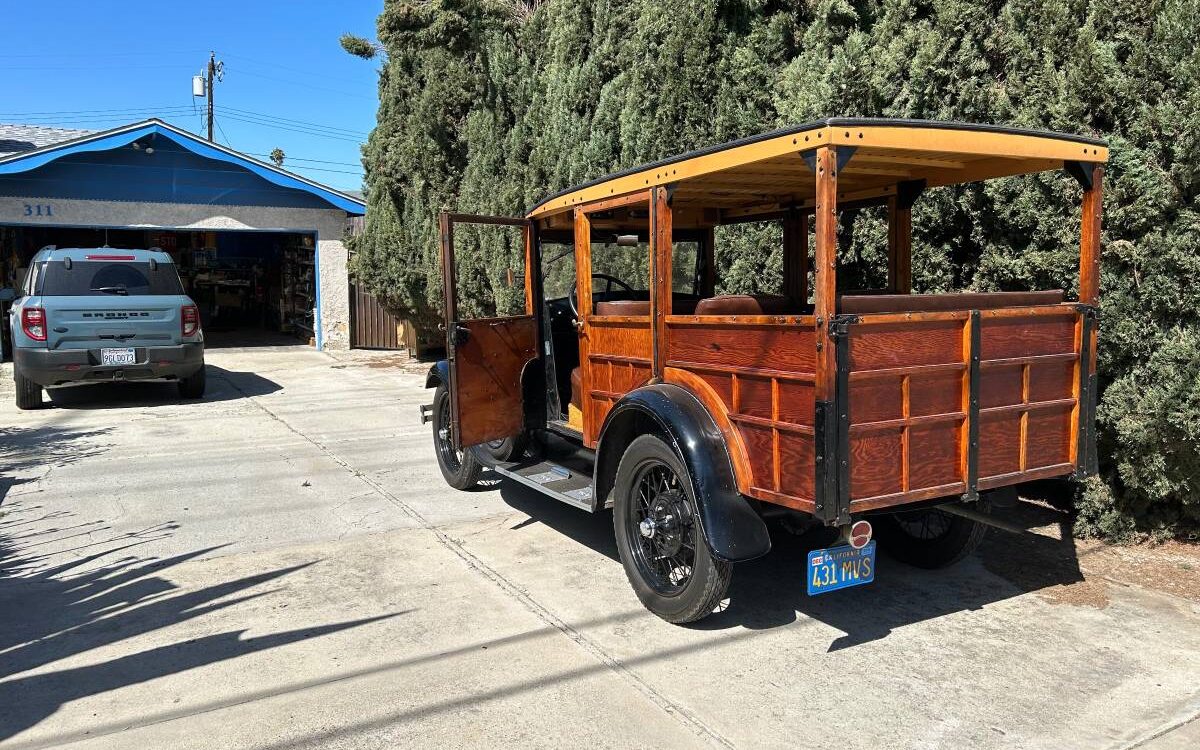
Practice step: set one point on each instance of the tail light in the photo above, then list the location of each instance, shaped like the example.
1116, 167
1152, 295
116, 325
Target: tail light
189, 320
33, 323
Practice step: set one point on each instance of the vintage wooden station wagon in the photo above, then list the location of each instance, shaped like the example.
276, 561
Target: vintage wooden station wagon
626, 381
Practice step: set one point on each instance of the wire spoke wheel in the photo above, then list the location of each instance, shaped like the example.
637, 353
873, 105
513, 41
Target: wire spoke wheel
450, 456
663, 527
925, 525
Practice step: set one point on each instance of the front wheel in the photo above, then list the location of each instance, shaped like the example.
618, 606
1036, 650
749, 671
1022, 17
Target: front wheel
659, 538
931, 537
460, 468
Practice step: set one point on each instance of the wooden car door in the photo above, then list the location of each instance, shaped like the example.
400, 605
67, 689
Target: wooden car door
491, 335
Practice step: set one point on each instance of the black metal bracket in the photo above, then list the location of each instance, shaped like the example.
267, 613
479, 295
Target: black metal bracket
1086, 463
832, 432
908, 191
972, 493
844, 154
1083, 171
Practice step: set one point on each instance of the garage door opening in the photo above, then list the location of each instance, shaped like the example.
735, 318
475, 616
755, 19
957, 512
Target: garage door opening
253, 288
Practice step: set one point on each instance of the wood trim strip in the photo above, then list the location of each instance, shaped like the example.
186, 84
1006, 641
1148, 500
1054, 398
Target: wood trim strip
620, 201
1035, 359
802, 429
600, 320
906, 422
742, 320
755, 372
788, 501
952, 490
926, 316
1016, 477
619, 359
1022, 408
886, 372
1066, 309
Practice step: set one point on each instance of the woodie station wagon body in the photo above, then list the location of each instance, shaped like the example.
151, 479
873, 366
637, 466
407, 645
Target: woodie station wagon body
698, 416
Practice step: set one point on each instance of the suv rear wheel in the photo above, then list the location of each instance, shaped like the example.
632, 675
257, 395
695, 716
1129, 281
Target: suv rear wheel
193, 385
29, 393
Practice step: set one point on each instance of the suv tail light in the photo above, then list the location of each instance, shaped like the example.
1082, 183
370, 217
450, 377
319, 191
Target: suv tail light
33, 323
189, 320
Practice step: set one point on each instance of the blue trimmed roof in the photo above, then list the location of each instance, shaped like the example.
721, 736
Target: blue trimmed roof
155, 162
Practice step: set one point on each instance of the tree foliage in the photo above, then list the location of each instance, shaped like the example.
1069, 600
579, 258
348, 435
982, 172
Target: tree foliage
486, 106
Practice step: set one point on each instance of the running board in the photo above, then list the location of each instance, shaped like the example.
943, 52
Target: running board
559, 482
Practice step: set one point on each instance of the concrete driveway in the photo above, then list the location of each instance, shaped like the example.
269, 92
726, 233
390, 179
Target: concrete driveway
280, 565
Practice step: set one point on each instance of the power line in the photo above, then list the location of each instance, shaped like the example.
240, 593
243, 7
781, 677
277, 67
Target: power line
301, 84
278, 126
348, 131
91, 111
310, 74
315, 161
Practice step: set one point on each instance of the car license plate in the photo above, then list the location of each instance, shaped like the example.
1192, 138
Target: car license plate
840, 567
116, 357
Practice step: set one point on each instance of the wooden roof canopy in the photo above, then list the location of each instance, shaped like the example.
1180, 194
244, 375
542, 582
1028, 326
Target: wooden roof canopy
876, 157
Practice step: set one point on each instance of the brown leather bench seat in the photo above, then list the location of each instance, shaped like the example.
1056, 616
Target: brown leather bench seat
866, 304
745, 304
679, 306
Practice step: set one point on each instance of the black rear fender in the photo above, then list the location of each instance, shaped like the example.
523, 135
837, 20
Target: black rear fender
732, 529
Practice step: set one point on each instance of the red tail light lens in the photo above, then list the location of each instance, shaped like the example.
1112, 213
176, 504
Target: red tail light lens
33, 323
189, 320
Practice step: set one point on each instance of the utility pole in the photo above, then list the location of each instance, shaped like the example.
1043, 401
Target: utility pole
216, 72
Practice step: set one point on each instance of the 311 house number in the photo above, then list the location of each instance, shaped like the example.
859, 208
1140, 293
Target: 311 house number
39, 209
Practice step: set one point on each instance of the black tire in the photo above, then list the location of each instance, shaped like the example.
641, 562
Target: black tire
193, 385
29, 393
460, 469
930, 538
506, 449
672, 571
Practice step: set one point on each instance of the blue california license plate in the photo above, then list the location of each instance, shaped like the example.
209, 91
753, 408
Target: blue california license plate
840, 567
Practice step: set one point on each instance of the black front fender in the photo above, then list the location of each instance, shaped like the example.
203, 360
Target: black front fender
733, 530
438, 374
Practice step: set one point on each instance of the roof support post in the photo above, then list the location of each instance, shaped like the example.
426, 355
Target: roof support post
1089, 239
661, 236
899, 247
826, 501
795, 256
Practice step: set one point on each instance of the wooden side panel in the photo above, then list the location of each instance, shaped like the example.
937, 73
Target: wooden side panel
488, 384
909, 402
1026, 394
756, 376
907, 413
618, 360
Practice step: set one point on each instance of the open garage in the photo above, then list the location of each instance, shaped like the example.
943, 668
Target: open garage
258, 248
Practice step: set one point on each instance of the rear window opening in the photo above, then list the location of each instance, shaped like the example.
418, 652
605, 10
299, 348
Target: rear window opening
93, 278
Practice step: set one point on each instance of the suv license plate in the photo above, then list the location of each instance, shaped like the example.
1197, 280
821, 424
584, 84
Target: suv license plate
116, 357
840, 567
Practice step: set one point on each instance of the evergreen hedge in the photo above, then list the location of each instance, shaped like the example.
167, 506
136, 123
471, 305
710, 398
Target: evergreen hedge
487, 106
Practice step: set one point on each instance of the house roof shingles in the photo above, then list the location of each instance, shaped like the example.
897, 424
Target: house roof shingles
15, 139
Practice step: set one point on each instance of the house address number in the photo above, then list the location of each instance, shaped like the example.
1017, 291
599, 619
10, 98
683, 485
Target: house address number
39, 209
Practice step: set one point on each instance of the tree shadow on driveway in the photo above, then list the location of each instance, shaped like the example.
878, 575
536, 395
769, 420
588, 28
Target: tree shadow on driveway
52, 613
771, 592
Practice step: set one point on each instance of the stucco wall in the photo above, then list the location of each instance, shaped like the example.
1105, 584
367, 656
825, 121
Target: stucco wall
329, 224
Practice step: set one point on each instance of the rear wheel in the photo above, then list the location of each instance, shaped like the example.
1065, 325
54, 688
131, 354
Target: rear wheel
658, 535
193, 385
931, 537
29, 393
460, 468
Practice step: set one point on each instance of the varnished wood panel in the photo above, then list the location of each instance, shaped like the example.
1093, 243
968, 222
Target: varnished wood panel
935, 393
875, 465
759, 372
488, 367
933, 455
618, 359
1049, 437
999, 443
905, 344
1027, 336
744, 345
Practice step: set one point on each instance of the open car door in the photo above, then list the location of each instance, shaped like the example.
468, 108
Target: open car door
489, 343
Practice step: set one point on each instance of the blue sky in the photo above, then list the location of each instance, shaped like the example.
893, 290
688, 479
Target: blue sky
97, 64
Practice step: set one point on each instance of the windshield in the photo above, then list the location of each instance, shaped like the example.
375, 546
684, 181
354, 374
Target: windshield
95, 278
